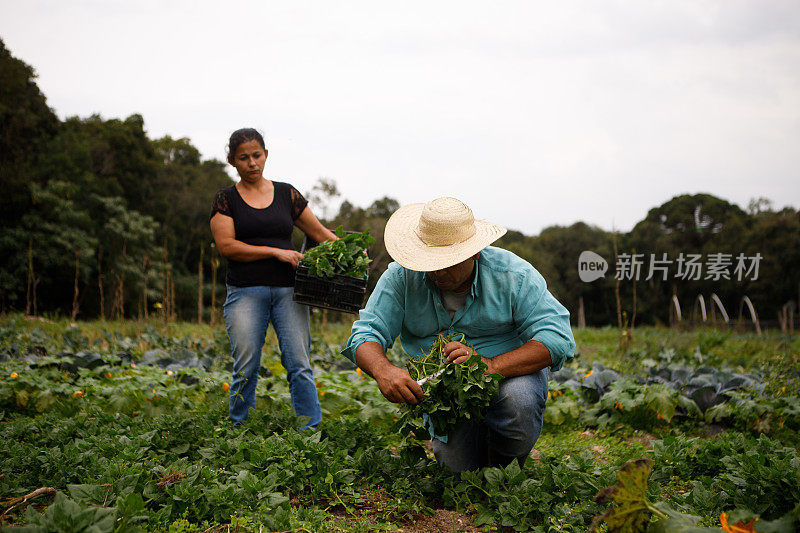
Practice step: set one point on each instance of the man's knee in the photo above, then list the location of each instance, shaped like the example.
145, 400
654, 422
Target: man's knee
523, 395
516, 416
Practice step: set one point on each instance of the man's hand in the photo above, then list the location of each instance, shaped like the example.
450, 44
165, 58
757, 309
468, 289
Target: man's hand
457, 352
397, 386
394, 382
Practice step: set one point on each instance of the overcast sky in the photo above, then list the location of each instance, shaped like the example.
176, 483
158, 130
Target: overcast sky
533, 113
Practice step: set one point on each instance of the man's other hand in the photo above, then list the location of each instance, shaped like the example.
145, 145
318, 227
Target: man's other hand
397, 386
457, 352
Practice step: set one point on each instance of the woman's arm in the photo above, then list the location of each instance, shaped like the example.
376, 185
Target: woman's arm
225, 237
312, 227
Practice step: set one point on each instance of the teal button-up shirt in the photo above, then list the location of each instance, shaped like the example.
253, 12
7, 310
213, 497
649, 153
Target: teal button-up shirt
508, 305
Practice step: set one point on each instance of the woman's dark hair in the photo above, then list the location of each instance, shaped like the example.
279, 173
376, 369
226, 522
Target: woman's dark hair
242, 136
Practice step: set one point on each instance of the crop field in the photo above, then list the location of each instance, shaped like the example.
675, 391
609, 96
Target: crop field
123, 427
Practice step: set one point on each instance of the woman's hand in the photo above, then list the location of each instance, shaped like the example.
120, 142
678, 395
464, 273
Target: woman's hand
289, 256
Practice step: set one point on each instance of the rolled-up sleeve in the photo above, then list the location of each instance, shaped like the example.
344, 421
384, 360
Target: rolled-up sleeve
540, 317
382, 318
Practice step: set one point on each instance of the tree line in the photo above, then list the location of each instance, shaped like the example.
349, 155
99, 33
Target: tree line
99, 220
690, 246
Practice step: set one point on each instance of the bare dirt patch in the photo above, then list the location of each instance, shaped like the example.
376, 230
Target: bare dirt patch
642, 437
441, 520
372, 507
535, 454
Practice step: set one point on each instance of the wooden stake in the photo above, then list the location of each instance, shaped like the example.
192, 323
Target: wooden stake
100, 282
29, 293
75, 287
145, 269
214, 266
616, 283
635, 279
165, 283
119, 297
200, 286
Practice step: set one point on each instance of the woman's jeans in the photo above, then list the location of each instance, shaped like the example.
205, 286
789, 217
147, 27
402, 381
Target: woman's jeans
248, 312
509, 430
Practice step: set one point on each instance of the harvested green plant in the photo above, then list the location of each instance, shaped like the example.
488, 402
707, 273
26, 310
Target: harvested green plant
345, 256
458, 392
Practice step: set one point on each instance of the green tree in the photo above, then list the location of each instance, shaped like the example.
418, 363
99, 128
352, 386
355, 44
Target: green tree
373, 219
26, 125
699, 224
555, 252
131, 255
775, 236
186, 188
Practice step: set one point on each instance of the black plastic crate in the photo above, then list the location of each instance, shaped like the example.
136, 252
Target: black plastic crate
339, 293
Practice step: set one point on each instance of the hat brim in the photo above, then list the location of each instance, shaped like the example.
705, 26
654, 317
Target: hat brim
404, 245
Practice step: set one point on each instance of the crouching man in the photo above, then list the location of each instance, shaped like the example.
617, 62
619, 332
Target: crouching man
447, 279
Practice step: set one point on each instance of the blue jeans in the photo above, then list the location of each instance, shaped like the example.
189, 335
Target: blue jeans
248, 312
511, 427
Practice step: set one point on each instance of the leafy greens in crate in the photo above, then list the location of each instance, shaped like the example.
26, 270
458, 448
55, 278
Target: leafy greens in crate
346, 256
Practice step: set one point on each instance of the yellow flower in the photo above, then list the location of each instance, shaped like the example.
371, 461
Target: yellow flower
108, 374
170, 372
359, 372
226, 387
14, 375
659, 416
77, 394
589, 374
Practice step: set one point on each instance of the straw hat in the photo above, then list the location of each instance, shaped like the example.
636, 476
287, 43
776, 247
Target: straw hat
437, 235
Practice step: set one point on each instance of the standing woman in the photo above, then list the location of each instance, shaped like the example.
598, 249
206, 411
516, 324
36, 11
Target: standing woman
252, 223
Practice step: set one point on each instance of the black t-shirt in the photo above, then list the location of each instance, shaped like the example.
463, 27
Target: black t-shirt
271, 226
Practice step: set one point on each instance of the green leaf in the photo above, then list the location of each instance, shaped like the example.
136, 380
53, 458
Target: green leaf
484, 516
632, 512
88, 493
345, 256
180, 449
675, 521
494, 478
